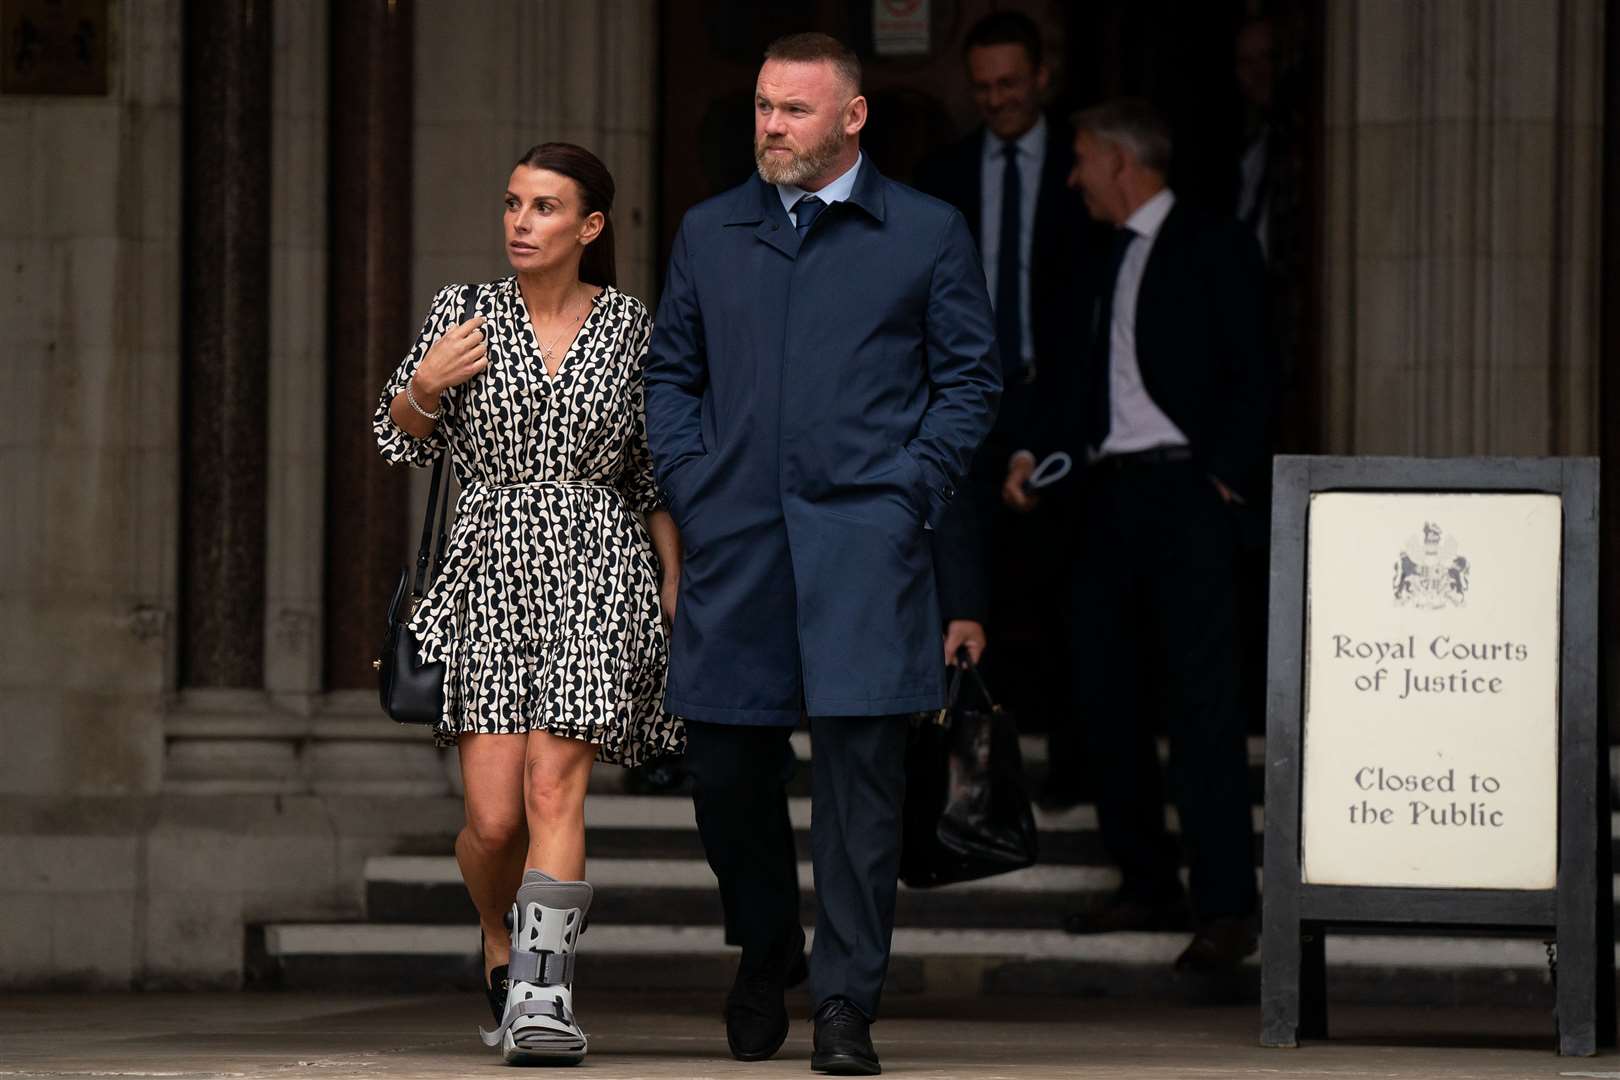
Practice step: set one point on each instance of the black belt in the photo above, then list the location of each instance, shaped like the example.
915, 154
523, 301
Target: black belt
1158, 455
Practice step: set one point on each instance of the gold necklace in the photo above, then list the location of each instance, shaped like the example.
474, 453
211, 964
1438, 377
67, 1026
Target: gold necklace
548, 351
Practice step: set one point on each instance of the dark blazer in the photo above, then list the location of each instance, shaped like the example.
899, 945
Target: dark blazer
810, 405
1064, 232
1201, 344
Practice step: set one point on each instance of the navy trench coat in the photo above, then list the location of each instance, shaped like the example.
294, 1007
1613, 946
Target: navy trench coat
810, 406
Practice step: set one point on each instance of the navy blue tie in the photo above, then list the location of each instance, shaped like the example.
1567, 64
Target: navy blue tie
1009, 298
1100, 416
805, 212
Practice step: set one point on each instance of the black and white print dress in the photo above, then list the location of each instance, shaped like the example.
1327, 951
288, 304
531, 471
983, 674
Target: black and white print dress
546, 610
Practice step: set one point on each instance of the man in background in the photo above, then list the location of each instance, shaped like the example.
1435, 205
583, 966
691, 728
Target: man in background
1254, 67
1168, 409
1008, 178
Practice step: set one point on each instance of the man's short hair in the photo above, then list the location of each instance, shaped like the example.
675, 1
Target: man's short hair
813, 47
1006, 28
1132, 124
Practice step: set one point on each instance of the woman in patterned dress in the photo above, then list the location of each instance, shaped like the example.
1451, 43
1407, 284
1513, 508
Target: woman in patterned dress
551, 609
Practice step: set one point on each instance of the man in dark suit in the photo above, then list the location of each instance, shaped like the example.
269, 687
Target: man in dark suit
1169, 407
822, 366
1009, 179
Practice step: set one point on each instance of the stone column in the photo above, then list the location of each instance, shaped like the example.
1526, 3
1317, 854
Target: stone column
1462, 192
1609, 496
227, 253
295, 548
369, 316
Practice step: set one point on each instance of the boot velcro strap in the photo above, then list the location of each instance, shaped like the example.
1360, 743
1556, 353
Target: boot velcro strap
550, 1013
543, 968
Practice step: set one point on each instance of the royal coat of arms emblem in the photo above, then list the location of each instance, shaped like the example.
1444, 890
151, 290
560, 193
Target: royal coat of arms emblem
1429, 573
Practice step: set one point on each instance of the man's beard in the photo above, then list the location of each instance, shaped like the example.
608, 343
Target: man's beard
799, 167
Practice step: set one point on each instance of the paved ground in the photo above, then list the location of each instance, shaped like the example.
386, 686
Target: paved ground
258, 1035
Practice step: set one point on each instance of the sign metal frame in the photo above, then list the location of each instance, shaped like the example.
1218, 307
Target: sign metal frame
1578, 914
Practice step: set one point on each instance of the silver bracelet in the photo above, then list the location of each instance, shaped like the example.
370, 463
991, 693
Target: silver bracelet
410, 399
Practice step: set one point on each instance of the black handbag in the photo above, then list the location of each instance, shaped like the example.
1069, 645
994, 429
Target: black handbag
412, 692
966, 813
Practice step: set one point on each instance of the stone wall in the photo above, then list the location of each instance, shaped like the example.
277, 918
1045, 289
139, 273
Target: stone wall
522, 73
1462, 208
169, 817
89, 230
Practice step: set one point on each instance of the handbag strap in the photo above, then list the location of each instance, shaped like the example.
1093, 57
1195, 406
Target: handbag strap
438, 491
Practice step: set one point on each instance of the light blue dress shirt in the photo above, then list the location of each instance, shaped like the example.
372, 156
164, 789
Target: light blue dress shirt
837, 191
1031, 160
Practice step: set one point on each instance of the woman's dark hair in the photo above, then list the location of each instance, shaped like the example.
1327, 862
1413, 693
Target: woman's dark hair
596, 266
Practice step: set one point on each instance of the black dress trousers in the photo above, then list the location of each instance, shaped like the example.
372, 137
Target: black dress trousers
857, 788
1153, 634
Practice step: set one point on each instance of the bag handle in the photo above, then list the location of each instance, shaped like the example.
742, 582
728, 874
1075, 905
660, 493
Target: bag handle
965, 669
438, 490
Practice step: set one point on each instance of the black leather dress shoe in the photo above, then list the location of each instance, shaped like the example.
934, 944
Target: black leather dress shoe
1220, 945
756, 1012
843, 1044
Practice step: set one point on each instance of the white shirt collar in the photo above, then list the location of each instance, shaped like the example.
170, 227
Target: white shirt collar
837, 191
1029, 143
1149, 217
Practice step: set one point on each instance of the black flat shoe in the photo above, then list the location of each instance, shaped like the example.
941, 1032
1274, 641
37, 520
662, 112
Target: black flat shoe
756, 1009
843, 1045
495, 985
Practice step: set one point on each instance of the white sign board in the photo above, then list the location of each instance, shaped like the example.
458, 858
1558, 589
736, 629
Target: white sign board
900, 27
1431, 690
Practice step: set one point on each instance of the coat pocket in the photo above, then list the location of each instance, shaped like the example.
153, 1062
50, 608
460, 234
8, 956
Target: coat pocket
916, 485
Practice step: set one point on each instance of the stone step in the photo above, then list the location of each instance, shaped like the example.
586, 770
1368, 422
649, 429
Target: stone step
659, 826
612, 780
1387, 968
428, 890
681, 892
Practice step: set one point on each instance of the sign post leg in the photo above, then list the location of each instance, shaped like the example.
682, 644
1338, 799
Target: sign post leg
1313, 982
1279, 978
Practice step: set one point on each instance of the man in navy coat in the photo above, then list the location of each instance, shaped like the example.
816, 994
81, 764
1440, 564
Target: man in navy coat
823, 365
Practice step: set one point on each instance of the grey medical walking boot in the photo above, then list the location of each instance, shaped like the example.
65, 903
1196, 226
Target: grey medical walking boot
538, 1026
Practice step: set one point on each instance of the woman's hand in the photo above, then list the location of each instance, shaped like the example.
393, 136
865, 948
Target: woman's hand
455, 358
666, 601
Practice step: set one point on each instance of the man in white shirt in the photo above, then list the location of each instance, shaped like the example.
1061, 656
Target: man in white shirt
1167, 414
